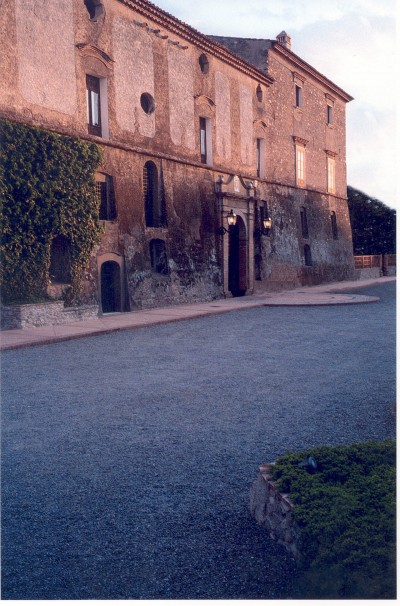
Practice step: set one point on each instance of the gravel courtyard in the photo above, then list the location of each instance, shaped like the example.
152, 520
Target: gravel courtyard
128, 458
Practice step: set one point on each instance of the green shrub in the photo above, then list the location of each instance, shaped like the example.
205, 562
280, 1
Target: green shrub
346, 515
47, 189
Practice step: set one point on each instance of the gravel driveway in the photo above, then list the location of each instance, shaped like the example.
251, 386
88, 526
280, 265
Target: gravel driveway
128, 458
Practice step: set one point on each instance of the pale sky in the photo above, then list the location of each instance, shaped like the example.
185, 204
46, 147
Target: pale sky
353, 43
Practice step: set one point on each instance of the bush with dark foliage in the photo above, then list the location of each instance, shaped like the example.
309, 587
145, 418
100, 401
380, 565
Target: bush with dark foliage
346, 514
373, 224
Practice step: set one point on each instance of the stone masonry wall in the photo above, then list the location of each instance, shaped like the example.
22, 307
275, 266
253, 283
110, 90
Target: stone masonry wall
133, 56
44, 314
273, 510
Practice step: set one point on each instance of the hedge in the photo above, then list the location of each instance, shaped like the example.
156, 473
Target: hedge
346, 513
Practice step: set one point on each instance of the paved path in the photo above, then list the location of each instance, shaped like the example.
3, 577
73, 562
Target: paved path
128, 458
326, 294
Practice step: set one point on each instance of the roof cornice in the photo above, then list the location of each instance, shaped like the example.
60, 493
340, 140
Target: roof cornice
300, 63
169, 22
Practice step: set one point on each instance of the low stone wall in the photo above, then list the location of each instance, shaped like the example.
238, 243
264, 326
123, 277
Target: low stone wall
44, 314
390, 270
273, 510
368, 272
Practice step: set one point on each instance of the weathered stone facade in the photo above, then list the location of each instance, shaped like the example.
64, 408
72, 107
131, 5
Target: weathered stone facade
189, 125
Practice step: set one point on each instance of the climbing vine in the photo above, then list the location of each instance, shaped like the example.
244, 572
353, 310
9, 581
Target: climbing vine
47, 189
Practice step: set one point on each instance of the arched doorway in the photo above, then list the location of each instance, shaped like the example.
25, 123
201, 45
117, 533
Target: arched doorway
110, 287
237, 282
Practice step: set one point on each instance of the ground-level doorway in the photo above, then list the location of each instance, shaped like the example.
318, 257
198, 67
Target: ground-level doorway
111, 300
237, 266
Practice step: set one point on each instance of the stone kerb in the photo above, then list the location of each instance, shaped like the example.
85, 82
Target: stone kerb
273, 510
44, 314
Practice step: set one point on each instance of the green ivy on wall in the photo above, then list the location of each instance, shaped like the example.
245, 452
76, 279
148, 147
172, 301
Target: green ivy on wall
47, 189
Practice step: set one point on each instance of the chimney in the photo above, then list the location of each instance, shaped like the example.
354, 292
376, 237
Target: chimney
284, 39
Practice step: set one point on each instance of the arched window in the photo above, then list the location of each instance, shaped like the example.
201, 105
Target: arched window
158, 257
60, 260
307, 256
154, 196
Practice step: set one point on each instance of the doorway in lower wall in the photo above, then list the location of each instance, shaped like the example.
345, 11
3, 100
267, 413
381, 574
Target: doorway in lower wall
111, 296
237, 282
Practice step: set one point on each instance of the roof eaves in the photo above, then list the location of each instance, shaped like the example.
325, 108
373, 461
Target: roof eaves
189, 33
299, 62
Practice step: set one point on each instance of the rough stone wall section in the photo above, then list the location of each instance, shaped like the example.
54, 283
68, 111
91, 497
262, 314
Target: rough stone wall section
44, 314
223, 115
368, 272
273, 510
133, 55
42, 40
181, 95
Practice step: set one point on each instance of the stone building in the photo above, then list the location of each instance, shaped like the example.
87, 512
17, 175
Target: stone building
192, 127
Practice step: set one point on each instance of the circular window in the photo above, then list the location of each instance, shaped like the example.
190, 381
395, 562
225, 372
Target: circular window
203, 62
147, 102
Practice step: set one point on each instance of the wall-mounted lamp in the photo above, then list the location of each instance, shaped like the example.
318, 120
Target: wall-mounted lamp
266, 227
231, 218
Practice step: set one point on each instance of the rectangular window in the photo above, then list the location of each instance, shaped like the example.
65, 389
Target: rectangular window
203, 140
300, 166
299, 96
331, 175
93, 105
106, 197
329, 114
260, 159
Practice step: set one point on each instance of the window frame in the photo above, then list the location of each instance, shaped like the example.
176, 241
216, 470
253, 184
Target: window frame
260, 157
203, 140
331, 175
108, 206
154, 196
92, 90
298, 96
300, 166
